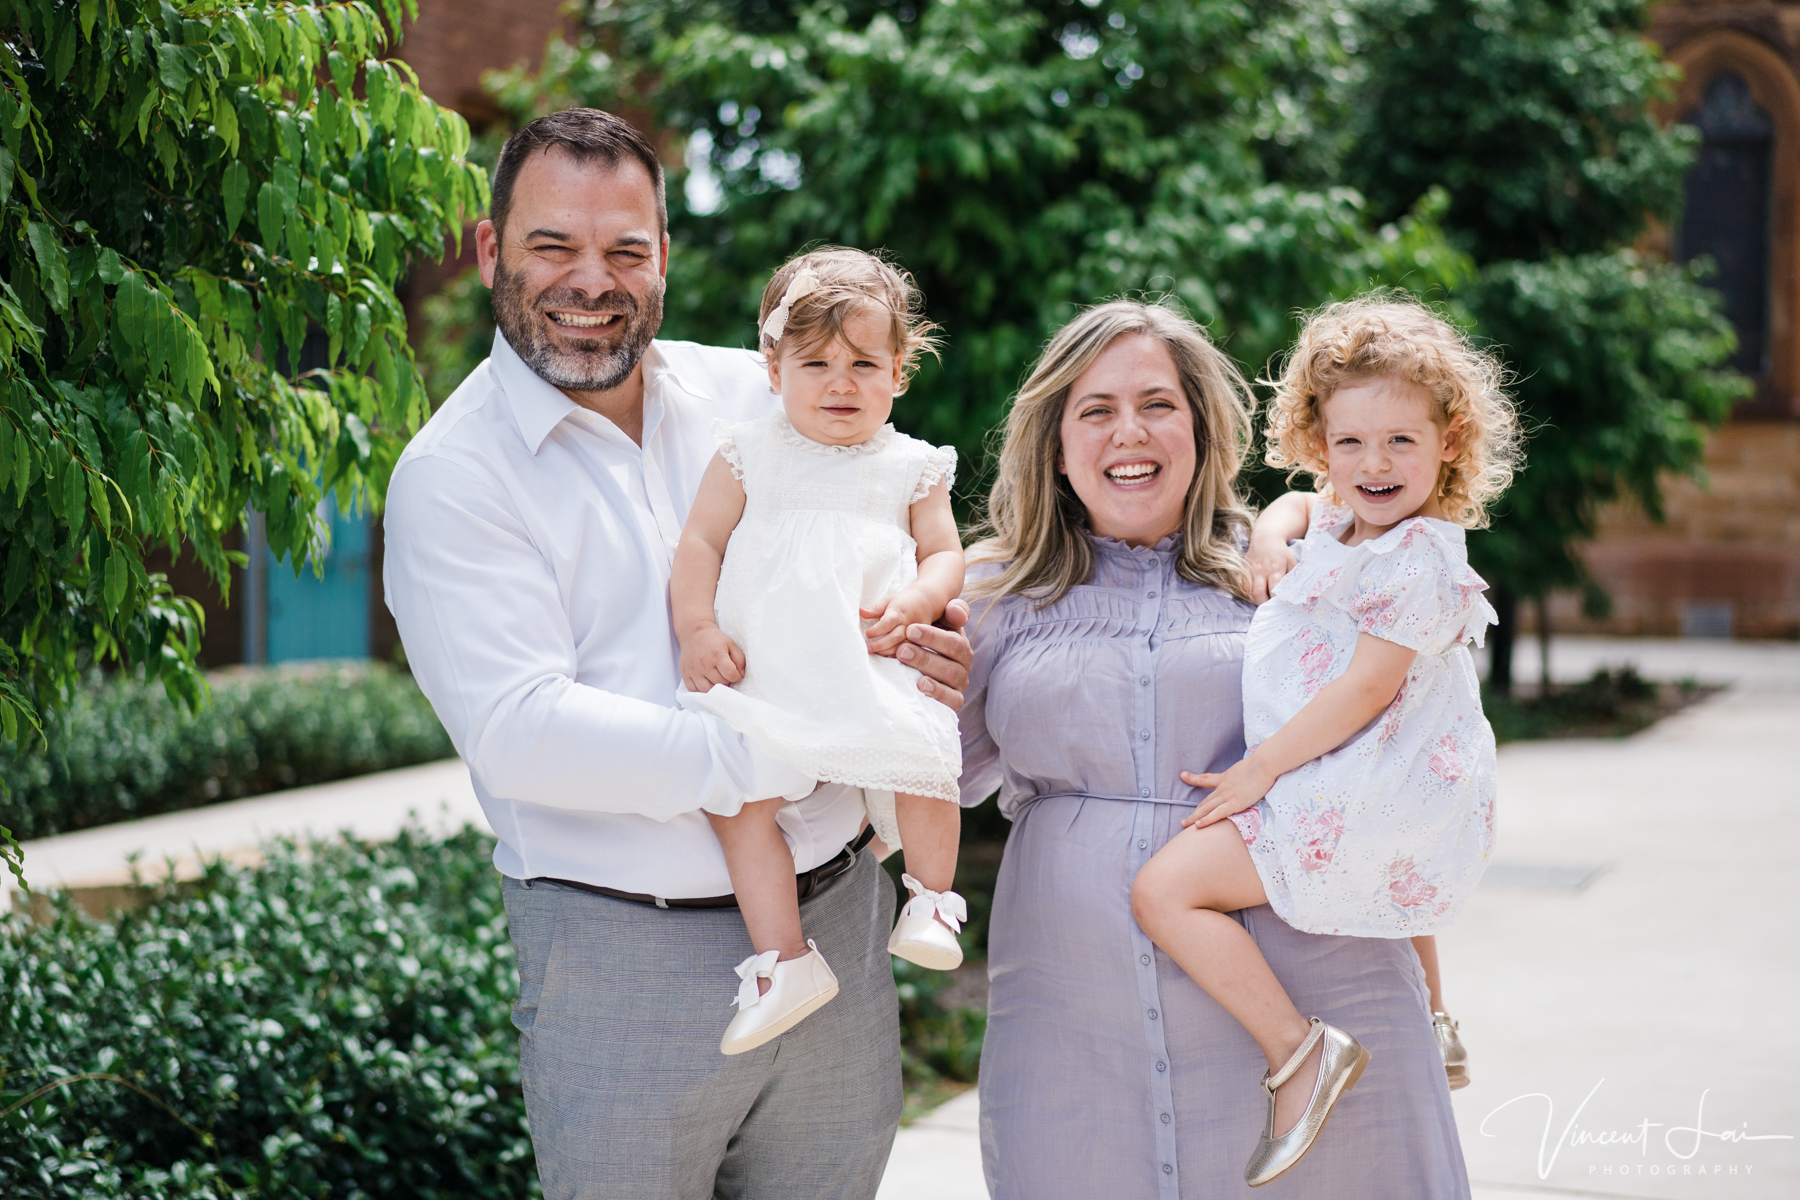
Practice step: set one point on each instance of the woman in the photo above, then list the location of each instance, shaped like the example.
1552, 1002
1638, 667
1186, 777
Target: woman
1109, 619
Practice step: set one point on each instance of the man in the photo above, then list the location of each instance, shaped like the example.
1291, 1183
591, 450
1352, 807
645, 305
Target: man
530, 527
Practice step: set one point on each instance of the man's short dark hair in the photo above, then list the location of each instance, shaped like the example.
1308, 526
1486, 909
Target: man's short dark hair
589, 135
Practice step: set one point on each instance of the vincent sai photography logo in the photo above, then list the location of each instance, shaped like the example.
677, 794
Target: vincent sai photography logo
1647, 1147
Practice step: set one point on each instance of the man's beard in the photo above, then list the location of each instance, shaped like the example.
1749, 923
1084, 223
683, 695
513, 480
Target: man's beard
581, 364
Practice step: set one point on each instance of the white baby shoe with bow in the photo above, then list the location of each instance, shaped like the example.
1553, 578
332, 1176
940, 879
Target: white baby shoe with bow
927, 929
798, 988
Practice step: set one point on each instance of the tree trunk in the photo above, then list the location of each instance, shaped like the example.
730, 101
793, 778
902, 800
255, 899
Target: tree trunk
1543, 624
1501, 639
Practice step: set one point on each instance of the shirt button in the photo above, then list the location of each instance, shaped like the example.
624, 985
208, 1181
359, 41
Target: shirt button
1153, 595
1143, 681
1144, 958
1167, 1169
1165, 1118
1144, 792
1162, 1066
1144, 735
1142, 844
1153, 1014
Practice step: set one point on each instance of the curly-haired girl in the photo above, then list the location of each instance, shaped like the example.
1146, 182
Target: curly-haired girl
1366, 804
803, 521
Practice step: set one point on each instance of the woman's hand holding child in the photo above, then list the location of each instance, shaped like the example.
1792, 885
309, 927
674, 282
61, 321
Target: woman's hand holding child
1238, 787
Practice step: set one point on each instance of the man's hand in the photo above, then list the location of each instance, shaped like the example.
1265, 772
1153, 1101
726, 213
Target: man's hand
709, 657
1234, 790
891, 614
942, 655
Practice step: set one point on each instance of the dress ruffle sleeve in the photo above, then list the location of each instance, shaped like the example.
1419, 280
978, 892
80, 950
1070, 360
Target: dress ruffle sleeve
1412, 586
940, 467
725, 438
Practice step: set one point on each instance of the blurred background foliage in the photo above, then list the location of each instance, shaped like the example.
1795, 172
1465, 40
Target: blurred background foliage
122, 749
1248, 161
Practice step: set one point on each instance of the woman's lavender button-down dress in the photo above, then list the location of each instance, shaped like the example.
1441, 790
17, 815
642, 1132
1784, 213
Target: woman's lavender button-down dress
1106, 1071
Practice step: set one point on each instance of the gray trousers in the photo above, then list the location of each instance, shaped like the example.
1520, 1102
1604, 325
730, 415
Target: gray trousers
620, 1011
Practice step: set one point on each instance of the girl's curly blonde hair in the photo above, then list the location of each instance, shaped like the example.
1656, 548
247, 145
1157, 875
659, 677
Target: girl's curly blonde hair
848, 281
1384, 334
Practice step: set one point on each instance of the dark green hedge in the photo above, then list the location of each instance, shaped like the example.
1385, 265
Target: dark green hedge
333, 1023
123, 749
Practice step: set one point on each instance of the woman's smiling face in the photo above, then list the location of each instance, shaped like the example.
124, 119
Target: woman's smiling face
1128, 441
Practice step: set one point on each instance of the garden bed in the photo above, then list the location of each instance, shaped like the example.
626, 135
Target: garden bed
122, 749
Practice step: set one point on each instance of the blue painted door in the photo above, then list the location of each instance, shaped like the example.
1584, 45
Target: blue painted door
323, 617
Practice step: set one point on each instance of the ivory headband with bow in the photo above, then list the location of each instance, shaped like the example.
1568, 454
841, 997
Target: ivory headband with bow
804, 283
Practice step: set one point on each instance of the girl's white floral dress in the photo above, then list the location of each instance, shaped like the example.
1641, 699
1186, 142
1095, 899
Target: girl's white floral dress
1387, 835
826, 530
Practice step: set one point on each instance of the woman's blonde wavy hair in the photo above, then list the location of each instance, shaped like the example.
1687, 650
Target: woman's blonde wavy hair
1387, 334
1036, 526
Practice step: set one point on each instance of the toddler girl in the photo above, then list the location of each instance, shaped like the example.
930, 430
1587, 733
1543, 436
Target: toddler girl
817, 537
1366, 804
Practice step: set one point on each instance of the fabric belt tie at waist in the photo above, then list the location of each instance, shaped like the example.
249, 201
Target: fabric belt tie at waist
805, 883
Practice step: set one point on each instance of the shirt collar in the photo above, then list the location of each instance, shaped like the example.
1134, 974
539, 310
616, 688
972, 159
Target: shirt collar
539, 406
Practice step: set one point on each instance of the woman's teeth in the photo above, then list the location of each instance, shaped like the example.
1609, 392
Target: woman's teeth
1132, 472
583, 320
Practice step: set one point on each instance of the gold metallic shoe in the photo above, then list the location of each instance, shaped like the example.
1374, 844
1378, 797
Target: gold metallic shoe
1456, 1059
1341, 1063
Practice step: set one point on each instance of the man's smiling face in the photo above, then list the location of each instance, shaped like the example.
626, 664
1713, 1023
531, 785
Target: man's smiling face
578, 270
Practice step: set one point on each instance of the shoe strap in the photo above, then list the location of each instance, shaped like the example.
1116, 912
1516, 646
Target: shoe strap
949, 907
1271, 1082
757, 966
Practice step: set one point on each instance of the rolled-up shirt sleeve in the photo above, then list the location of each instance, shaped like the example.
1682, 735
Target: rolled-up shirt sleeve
489, 640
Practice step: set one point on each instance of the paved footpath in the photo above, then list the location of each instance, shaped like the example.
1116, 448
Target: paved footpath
98, 865
1628, 973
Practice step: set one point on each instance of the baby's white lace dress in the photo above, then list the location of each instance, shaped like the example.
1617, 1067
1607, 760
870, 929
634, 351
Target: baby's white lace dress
1387, 835
826, 530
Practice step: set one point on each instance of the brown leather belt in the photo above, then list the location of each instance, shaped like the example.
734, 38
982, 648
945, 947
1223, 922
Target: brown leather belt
805, 883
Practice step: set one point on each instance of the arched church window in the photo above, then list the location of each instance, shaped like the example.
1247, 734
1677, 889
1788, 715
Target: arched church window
1727, 210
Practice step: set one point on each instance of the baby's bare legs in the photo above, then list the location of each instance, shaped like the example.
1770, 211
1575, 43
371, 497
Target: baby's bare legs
1181, 899
762, 875
1426, 948
929, 832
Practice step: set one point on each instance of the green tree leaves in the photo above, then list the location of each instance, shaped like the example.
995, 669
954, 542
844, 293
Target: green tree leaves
1022, 157
187, 217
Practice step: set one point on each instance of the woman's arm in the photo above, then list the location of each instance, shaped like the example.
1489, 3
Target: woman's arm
1346, 704
708, 657
1269, 558
940, 575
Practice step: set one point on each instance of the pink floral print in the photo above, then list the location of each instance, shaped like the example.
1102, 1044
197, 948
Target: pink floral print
1387, 835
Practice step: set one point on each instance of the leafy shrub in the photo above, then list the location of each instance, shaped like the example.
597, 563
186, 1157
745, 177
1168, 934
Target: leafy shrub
1610, 703
334, 1022
123, 749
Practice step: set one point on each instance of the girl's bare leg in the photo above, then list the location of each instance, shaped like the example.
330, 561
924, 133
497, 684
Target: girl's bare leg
1181, 899
930, 830
1426, 948
762, 875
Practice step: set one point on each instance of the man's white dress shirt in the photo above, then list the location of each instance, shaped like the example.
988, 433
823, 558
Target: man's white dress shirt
527, 564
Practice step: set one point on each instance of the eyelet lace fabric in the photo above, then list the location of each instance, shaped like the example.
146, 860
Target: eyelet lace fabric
1387, 835
826, 530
